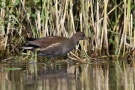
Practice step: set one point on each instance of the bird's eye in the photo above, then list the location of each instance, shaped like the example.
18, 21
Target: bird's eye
83, 35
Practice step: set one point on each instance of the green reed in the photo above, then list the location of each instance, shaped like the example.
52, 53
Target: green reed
109, 25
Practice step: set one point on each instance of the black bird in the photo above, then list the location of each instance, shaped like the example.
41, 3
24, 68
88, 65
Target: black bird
54, 46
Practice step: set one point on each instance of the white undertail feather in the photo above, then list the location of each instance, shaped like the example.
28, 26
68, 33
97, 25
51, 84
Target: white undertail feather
28, 48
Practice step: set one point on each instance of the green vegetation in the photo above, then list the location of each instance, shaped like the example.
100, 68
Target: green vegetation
109, 24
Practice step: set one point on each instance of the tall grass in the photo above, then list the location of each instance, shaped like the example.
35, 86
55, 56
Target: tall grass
109, 25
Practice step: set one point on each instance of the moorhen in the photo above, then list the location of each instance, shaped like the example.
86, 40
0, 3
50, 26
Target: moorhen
54, 46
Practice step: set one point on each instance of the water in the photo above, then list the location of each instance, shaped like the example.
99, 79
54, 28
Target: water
66, 76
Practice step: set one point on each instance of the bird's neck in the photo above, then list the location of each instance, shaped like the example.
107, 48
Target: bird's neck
73, 40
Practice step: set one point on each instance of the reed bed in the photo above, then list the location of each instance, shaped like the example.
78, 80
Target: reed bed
109, 25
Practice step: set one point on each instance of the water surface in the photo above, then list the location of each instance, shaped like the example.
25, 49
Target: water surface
67, 76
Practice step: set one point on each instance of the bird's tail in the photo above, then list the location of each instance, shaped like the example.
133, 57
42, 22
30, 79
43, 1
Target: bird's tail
29, 47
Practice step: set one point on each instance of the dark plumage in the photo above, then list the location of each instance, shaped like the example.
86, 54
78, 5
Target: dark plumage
54, 46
